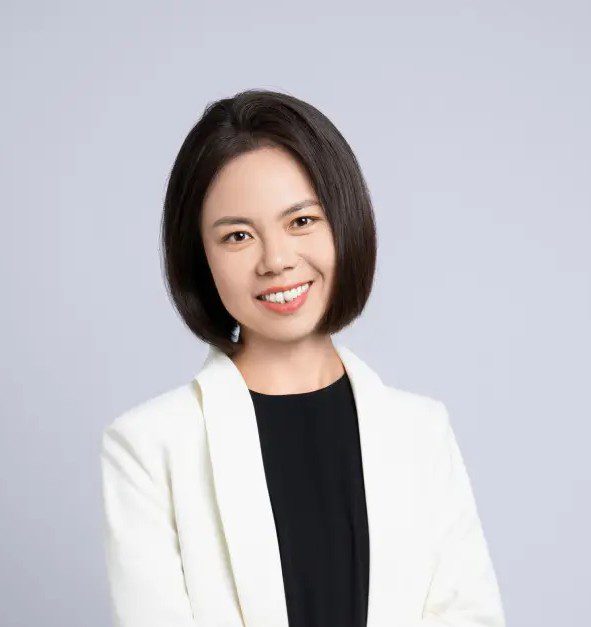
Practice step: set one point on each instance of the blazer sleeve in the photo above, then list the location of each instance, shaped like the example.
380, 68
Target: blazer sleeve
463, 590
143, 558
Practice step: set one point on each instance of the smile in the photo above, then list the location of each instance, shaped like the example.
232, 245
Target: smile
285, 301
284, 296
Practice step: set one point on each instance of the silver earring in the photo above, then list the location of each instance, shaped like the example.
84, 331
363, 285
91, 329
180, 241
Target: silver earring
236, 333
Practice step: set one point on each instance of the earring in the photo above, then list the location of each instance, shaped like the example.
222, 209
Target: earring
236, 333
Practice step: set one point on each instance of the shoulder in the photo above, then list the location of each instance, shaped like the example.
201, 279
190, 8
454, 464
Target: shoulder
159, 420
422, 423
425, 415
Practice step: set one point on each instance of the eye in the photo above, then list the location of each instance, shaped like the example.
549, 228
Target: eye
306, 218
239, 241
227, 237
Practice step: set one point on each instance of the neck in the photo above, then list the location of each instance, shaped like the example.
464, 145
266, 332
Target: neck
271, 367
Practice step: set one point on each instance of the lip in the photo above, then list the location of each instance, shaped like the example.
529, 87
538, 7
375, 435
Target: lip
286, 308
281, 288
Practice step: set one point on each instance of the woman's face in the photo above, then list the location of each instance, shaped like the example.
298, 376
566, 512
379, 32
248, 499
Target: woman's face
251, 247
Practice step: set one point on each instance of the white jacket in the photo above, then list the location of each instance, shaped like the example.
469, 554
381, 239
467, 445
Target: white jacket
189, 531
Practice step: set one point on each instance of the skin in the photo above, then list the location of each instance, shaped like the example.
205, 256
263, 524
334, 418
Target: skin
282, 353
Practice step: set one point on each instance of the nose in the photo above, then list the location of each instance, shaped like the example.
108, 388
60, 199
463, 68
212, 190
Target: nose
277, 255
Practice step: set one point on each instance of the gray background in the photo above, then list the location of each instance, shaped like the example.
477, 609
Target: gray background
471, 123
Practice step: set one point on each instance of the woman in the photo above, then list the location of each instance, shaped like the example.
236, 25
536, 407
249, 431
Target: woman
286, 484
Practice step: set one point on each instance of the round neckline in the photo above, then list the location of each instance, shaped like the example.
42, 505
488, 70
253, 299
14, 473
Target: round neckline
310, 394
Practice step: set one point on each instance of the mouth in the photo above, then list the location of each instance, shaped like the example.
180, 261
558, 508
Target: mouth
286, 303
281, 293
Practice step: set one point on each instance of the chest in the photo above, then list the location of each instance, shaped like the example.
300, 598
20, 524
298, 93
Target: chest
235, 493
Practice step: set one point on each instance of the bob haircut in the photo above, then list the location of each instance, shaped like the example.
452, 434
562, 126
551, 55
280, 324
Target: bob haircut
228, 128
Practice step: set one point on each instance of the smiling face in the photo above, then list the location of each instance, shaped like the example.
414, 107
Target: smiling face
263, 227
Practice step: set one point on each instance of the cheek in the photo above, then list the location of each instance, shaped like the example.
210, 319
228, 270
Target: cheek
229, 273
323, 252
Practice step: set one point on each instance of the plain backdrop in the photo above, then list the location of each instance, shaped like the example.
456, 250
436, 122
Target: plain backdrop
471, 124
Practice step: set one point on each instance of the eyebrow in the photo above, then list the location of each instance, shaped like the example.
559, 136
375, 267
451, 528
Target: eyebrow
241, 220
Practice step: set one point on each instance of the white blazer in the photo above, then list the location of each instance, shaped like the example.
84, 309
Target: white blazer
189, 530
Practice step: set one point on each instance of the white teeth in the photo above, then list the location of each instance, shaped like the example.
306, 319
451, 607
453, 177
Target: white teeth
286, 297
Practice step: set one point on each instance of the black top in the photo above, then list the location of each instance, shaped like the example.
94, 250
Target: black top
312, 460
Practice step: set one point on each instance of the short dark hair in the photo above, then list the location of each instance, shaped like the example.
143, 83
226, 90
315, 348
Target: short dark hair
228, 128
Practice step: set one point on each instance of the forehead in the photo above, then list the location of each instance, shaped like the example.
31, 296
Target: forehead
265, 179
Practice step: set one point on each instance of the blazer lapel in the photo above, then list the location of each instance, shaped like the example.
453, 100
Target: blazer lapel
244, 502
241, 490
